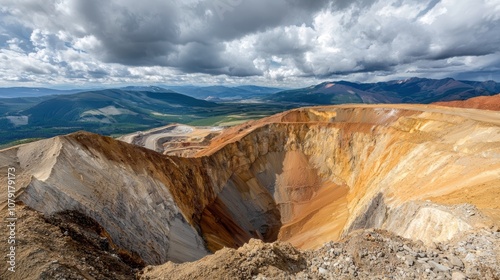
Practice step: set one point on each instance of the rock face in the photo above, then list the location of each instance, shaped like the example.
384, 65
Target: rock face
128, 191
306, 176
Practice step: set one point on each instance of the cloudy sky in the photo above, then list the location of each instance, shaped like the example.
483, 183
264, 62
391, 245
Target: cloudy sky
267, 42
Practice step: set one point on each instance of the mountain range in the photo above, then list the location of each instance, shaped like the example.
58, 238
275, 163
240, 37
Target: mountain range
414, 90
220, 93
12, 92
223, 93
116, 111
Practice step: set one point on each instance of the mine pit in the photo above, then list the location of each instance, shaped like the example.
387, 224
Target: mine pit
307, 176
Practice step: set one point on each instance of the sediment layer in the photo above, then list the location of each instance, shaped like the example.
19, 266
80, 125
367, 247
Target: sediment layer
307, 176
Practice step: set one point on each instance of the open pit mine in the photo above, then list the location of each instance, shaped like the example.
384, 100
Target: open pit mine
336, 192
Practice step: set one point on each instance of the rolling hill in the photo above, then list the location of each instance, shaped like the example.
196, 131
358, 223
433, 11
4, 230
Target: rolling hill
109, 106
14, 92
224, 93
11, 105
116, 111
104, 111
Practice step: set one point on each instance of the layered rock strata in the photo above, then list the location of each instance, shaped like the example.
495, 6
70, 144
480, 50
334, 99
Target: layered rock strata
307, 176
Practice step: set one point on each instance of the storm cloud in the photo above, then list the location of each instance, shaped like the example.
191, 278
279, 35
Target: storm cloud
280, 42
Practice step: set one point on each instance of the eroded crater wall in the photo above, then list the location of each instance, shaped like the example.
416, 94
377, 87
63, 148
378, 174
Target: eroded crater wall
386, 156
307, 176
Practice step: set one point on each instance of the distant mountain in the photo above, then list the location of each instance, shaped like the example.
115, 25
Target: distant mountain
414, 90
128, 109
144, 88
15, 92
214, 93
13, 105
104, 111
223, 93
116, 111
112, 106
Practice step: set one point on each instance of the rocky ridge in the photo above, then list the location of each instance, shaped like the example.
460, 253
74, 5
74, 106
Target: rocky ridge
366, 254
480, 102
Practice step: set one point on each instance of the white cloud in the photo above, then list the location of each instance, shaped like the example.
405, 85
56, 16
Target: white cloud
430, 17
280, 42
14, 44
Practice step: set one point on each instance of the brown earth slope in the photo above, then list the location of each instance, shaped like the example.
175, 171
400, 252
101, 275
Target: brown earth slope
306, 176
480, 102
